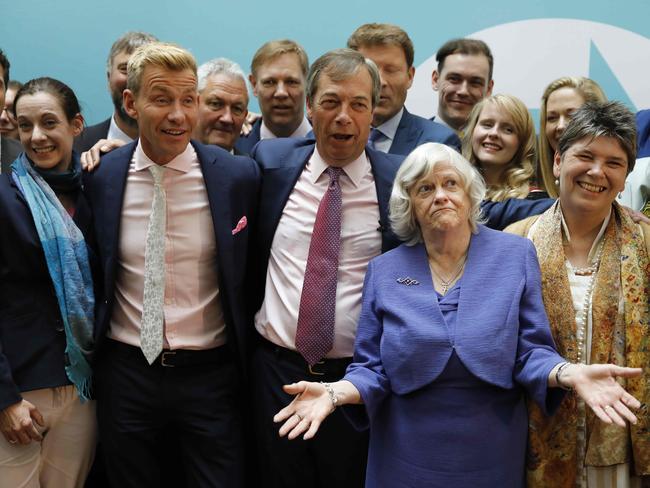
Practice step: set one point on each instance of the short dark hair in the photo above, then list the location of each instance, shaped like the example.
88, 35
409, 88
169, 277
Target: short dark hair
602, 119
4, 63
382, 34
464, 46
57, 89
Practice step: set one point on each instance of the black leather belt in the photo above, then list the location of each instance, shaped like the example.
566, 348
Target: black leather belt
177, 358
326, 366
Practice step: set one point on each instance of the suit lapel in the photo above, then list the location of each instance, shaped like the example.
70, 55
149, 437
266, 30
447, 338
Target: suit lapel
384, 175
405, 136
472, 290
278, 184
218, 188
112, 186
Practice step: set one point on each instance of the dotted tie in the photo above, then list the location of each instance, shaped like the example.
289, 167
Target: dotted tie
151, 330
315, 331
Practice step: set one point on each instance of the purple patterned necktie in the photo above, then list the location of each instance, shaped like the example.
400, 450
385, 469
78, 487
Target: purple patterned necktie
315, 331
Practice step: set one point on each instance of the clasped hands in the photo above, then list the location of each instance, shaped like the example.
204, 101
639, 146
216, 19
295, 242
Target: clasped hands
17, 423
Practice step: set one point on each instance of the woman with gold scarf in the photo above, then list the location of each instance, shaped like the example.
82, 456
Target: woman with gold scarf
595, 285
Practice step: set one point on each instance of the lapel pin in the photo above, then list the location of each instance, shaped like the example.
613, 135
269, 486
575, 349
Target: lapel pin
407, 281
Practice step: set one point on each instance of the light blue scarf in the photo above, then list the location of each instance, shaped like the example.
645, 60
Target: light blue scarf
67, 261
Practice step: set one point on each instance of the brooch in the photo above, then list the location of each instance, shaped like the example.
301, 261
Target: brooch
407, 281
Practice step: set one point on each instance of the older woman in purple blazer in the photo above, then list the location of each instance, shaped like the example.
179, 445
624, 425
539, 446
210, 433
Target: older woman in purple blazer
452, 336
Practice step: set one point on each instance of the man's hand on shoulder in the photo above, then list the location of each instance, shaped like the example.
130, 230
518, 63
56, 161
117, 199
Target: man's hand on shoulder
251, 118
90, 159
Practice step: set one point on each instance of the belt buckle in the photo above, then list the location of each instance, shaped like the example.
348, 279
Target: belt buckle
316, 373
163, 359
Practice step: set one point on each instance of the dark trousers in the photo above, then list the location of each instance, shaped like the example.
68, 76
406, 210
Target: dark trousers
194, 403
335, 457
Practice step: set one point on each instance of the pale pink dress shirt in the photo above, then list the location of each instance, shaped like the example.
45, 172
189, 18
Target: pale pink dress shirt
360, 242
192, 308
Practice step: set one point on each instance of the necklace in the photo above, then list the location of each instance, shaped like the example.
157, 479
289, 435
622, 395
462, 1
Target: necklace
446, 283
582, 321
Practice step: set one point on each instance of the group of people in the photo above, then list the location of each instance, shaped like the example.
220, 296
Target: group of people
202, 296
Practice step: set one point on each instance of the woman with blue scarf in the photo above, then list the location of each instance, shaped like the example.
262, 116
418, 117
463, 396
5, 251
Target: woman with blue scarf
46, 298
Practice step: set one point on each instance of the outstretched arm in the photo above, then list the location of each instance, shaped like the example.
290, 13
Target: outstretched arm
596, 384
312, 404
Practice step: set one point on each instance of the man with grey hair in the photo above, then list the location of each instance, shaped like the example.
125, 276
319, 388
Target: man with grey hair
223, 103
323, 217
120, 125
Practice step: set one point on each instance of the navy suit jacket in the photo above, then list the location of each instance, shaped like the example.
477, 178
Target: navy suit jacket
9, 151
90, 135
232, 184
414, 130
643, 133
502, 334
281, 162
246, 143
32, 340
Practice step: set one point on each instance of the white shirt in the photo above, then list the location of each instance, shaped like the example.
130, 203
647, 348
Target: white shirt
302, 130
114, 132
637, 186
360, 241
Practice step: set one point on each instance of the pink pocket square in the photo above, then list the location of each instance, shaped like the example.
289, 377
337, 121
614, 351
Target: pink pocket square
243, 222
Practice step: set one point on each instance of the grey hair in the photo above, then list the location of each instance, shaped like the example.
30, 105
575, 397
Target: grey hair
421, 162
128, 43
339, 65
219, 66
602, 119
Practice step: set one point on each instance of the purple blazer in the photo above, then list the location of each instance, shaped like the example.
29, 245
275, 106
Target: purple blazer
502, 334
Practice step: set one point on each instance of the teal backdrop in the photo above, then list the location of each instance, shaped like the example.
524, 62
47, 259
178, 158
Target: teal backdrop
533, 41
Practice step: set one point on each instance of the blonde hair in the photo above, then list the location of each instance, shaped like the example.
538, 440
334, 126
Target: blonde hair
521, 169
273, 49
590, 91
159, 54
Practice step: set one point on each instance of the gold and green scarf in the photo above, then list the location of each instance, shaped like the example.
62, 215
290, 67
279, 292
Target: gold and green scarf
621, 335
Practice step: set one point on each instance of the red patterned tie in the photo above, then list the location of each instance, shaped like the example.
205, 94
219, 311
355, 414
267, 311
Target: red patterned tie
315, 332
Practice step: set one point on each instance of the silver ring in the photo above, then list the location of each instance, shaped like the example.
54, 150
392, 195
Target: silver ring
297, 415
12, 441
607, 406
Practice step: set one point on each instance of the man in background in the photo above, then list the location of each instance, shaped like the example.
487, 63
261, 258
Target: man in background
223, 103
119, 125
462, 79
395, 129
278, 73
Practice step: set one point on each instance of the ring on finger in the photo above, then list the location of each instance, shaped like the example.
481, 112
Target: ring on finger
299, 417
606, 407
12, 441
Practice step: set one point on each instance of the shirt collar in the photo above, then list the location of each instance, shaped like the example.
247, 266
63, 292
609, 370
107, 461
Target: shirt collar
389, 128
301, 131
114, 132
355, 170
181, 163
